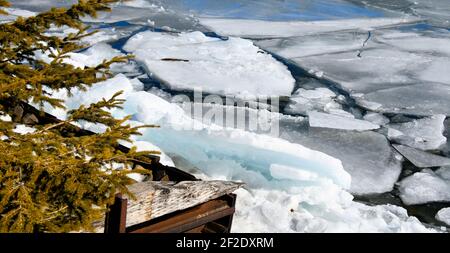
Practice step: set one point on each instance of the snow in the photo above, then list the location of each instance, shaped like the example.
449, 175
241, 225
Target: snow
422, 159
424, 134
311, 210
23, 129
275, 29
147, 146
324, 120
105, 89
91, 57
425, 187
233, 67
444, 215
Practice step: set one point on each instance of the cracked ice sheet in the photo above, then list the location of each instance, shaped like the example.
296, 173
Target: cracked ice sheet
233, 67
258, 29
436, 11
398, 71
320, 203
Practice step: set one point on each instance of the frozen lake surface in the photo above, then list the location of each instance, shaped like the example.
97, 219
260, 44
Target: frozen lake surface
365, 92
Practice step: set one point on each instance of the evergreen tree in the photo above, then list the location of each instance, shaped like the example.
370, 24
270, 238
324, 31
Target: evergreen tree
53, 180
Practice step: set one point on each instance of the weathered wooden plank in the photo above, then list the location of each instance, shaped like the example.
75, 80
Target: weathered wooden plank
155, 199
187, 220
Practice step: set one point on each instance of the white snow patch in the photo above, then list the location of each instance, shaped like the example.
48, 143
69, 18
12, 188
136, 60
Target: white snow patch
23, 129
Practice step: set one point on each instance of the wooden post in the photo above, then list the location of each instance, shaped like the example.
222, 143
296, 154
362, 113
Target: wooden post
115, 220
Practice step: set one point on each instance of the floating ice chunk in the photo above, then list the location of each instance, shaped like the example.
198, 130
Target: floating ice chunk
367, 156
274, 29
424, 187
422, 159
318, 99
319, 93
376, 118
333, 108
5, 117
191, 61
424, 134
444, 215
324, 120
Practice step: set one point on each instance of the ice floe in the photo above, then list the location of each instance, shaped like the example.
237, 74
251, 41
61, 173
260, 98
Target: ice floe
376, 118
426, 186
424, 134
422, 159
367, 156
319, 99
325, 120
444, 215
191, 61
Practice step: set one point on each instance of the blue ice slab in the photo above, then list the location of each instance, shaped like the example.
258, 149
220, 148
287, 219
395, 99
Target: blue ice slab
275, 10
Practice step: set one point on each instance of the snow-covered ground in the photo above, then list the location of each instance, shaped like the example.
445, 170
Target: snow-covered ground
376, 93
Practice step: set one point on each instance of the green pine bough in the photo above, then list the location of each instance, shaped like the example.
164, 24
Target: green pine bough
52, 180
